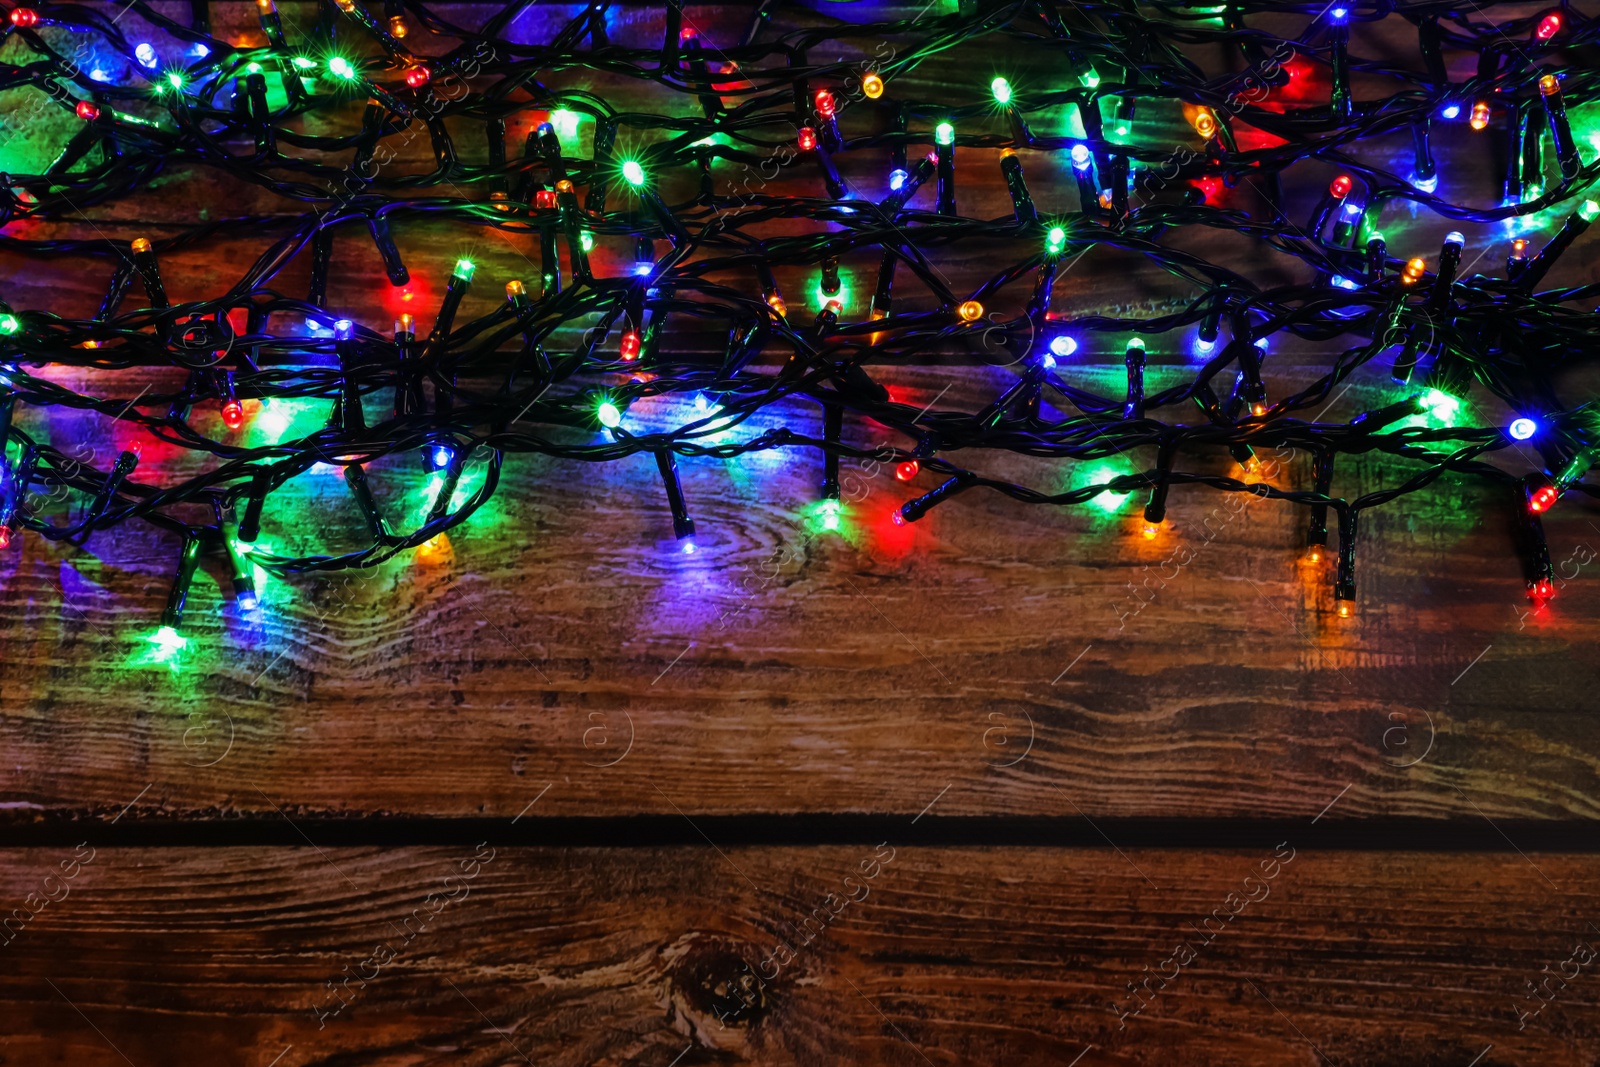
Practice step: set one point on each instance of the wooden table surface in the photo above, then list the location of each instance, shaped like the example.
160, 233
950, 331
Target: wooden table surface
1007, 786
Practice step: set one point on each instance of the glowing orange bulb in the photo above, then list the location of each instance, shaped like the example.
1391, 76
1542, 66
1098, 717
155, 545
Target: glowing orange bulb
1105, 199
1415, 269
398, 27
563, 186
1314, 554
140, 245
233, 415
872, 85
907, 470
970, 311
1339, 188
1150, 530
1346, 609
407, 295
1480, 115
1205, 123
1258, 408
775, 302
1549, 85
1519, 247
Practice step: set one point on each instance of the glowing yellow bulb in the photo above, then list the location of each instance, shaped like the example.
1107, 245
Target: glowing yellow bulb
140, 245
1150, 530
1314, 554
775, 302
514, 289
398, 27
1205, 123
970, 311
1480, 115
872, 85
1346, 609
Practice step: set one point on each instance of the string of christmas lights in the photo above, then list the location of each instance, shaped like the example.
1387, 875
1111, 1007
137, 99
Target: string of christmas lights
701, 194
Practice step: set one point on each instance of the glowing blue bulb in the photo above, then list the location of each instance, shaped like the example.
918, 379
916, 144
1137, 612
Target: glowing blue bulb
701, 403
247, 602
897, 180
99, 75
688, 548
1261, 343
1202, 346
1427, 185
199, 51
1454, 238
1339, 14
1352, 209
145, 55
1080, 156
1522, 429
1063, 346
1343, 283
342, 329
1048, 362
642, 269
441, 456
545, 129
1451, 112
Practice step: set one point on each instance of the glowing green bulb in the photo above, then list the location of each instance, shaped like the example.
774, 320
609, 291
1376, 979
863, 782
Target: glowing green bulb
944, 133
1002, 91
586, 239
830, 514
340, 67
464, 269
1055, 240
565, 122
1441, 405
1534, 191
253, 68
303, 63
9, 325
633, 172
1089, 79
175, 79
1122, 130
1588, 211
609, 414
168, 642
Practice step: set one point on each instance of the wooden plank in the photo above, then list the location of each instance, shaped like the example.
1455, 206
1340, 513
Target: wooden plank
295, 957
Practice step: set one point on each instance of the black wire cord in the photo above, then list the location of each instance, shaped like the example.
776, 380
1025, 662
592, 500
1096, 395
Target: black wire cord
533, 376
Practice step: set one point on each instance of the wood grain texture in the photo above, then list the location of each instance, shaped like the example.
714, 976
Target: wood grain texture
1000, 956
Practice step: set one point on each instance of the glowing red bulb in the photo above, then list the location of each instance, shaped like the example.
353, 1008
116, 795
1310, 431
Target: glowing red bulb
1549, 26
544, 198
87, 111
896, 517
417, 76
1542, 590
1543, 499
1339, 188
5, 537
907, 470
233, 415
630, 345
24, 17
825, 105
807, 139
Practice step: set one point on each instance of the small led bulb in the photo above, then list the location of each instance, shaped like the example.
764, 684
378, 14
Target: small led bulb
944, 134
1548, 26
825, 104
872, 85
1522, 429
1001, 90
630, 345
907, 470
1063, 346
233, 415
807, 140
970, 311
1480, 115
633, 172
1340, 187
1080, 156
